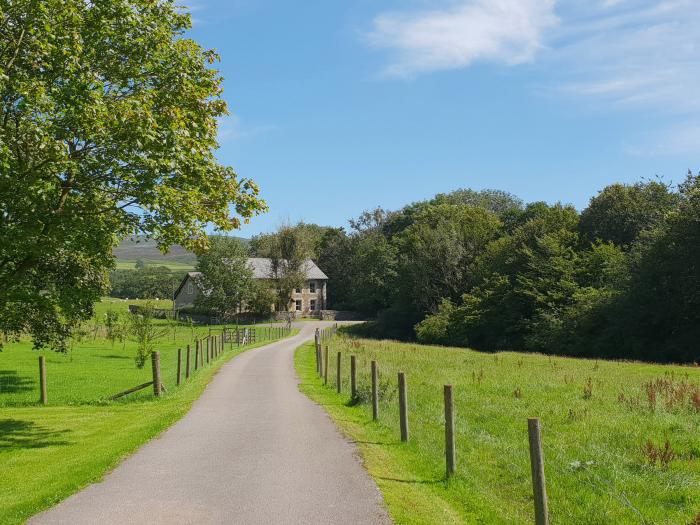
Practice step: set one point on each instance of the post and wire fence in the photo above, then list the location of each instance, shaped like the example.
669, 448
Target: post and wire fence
322, 341
207, 350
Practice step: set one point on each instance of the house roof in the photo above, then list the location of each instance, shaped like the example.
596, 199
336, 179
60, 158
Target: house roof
262, 269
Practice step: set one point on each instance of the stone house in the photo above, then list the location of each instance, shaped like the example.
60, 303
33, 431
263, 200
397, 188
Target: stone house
309, 300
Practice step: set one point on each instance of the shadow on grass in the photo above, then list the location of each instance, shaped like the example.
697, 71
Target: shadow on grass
414, 481
11, 383
17, 433
381, 443
114, 356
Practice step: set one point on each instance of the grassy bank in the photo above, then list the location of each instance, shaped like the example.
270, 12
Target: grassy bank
48, 453
602, 423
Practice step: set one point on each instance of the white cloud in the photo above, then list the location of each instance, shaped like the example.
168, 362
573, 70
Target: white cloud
634, 53
503, 31
631, 52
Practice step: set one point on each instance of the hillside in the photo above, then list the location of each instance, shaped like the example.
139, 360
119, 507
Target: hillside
135, 248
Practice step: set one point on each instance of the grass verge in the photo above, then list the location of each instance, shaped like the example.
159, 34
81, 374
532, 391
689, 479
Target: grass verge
49, 453
598, 418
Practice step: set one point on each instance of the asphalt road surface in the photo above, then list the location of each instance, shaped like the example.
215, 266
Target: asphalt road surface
252, 450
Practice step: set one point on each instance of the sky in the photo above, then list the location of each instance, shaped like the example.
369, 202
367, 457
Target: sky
338, 106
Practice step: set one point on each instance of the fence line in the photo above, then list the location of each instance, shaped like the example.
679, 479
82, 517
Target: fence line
541, 510
215, 348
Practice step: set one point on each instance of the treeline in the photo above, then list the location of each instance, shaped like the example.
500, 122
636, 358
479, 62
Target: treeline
485, 270
145, 282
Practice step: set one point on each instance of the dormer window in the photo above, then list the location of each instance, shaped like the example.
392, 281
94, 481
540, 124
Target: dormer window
312, 286
190, 288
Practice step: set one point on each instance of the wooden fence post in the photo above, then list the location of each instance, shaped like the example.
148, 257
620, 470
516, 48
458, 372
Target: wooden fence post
353, 377
449, 432
155, 364
201, 354
537, 465
209, 348
187, 365
43, 395
403, 408
179, 366
319, 360
317, 343
375, 391
196, 355
325, 366
339, 378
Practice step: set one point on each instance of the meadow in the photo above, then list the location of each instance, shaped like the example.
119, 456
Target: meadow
621, 439
125, 264
49, 452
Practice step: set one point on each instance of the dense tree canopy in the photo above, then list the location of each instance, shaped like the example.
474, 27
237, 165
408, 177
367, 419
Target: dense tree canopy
482, 269
107, 128
621, 212
146, 282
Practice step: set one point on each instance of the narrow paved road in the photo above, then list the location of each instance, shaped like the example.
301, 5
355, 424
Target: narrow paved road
253, 450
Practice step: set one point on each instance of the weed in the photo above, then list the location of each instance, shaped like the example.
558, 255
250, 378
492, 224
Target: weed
386, 390
517, 393
658, 455
588, 389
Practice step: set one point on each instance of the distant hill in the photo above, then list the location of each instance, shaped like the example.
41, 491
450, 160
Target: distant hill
135, 248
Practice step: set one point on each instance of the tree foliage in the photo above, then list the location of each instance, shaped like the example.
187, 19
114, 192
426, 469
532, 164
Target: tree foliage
107, 128
289, 249
148, 282
481, 269
225, 280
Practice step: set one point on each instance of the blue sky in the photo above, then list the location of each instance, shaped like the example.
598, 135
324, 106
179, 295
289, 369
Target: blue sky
339, 106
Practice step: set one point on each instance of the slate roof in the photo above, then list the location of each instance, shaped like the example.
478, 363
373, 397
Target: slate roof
262, 269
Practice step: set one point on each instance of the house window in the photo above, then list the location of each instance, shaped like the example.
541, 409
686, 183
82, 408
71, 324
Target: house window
312, 305
298, 305
190, 288
312, 286
298, 290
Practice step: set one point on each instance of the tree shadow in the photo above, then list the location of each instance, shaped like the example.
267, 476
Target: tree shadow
414, 481
114, 356
11, 382
17, 433
382, 443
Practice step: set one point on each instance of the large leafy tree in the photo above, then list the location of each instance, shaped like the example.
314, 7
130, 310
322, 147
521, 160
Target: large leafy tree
289, 250
226, 280
107, 128
621, 212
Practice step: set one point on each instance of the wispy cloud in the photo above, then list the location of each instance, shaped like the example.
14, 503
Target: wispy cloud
632, 52
637, 53
462, 33
626, 54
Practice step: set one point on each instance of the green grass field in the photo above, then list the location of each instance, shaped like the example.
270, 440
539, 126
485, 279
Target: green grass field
125, 264
597, 417
50, 452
